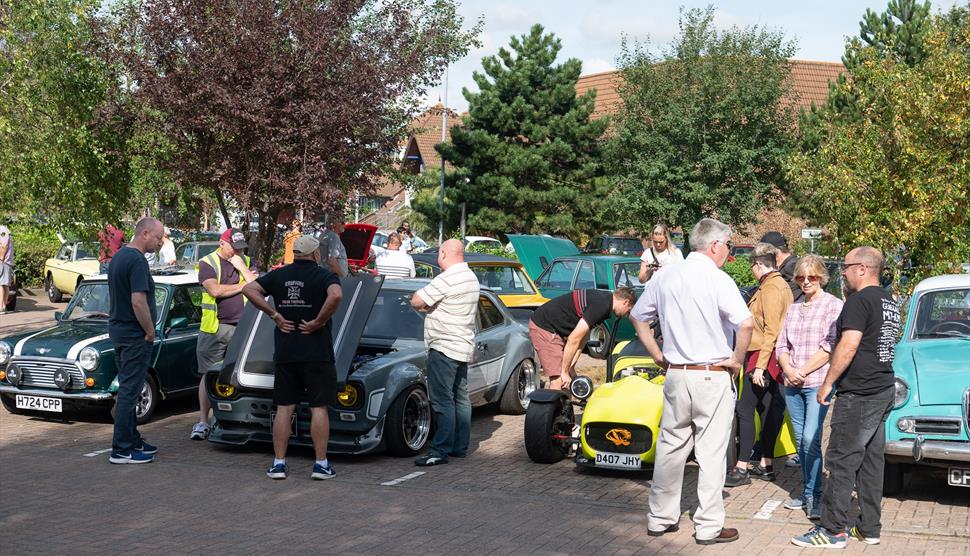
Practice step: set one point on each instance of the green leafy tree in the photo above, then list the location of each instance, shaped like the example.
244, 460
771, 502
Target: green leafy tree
898, 177
528, 154
702, 130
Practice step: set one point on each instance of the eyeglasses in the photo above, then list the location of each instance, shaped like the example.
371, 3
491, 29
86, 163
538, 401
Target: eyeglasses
847, 265
801, 279
729, 244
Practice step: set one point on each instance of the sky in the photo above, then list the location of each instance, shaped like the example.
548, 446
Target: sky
591, 30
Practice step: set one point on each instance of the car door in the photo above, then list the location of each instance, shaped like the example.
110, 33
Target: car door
491, 343
58, 268
177, 365
558, 278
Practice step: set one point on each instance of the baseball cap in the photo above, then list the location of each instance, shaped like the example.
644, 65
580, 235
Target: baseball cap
305, 245
235, 238
775, 239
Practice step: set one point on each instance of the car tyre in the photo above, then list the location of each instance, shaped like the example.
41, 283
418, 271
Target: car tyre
601, 333
542, 421
11, 302
10, 405
892, 479
407, 425
146, 403
522, 382
53, 293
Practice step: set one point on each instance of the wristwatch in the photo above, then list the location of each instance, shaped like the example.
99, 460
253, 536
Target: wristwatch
273, 316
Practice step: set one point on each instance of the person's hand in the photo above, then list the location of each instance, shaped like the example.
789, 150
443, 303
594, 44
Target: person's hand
566, 379
730, 364
283, 324
794, 377
824, 391
238, 263
758, 377
150, 337
309, 327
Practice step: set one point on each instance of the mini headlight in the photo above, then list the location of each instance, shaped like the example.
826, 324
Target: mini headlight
14, 375
5, 352
62, 379
906, 425
348, 396
225, 390
88, 358
581, 387
902, 393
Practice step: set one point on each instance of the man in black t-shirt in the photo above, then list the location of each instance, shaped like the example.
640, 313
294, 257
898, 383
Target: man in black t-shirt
861, 371
559, 329
306, 296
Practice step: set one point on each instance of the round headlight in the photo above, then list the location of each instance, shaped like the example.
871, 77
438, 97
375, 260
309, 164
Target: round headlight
88, 358
906, 425
581, 387
348, 396
902, 393
225, 390
5, 352
62, 379
14, 375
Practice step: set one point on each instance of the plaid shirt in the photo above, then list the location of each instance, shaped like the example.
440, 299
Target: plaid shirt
808, 328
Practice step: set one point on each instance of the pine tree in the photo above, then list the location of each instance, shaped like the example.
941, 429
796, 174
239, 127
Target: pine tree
528, 154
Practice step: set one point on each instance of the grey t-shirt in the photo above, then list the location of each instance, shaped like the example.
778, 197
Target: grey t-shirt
331, 245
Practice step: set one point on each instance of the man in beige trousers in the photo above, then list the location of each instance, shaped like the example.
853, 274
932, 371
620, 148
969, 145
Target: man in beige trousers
701, 314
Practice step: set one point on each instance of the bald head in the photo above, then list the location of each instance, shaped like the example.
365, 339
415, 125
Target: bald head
862, 268
869, 256
451, 252
148, 235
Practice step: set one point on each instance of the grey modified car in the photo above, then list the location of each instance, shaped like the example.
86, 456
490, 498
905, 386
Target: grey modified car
382, 398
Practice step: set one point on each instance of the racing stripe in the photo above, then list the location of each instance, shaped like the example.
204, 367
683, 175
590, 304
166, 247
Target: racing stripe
76, 348
20, 345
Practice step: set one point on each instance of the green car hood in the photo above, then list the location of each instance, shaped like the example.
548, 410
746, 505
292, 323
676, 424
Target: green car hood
61, 341
537, 252
942, 369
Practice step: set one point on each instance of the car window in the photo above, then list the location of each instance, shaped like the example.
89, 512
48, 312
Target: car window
91, 301
626, 274
65, 253
206, 249
186, 302
489, 316
503, 279
423, 271
185, 252
85, 251
587, 277
393, 318
942, 314
160, 295
594, 245
559, 275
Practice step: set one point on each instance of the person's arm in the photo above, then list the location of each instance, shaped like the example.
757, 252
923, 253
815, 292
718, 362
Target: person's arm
842, 356
570, 354
741, 340
815, 362
220, 291
3, 249
334, 265
643, 276
428, 297
645, 333
139, 305
412, 271
256, 295
774, 305
244, 271
334, 295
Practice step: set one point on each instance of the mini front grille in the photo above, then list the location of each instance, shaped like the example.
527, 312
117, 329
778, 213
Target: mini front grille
966, 409
937, 426
619, 438
40, 372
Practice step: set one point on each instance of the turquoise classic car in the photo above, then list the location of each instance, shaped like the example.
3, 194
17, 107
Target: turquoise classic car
558, 267
71, 363
929, 425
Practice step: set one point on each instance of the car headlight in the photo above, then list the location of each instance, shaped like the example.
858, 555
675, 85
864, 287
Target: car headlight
902, 393
581, 387
62, 379
14, 375
225, 390
5, 352
88, 358
906, 424
348, 396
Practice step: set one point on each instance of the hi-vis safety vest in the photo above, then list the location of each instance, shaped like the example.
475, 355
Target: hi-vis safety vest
210, 311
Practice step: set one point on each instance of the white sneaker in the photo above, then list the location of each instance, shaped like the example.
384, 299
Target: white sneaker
200, 431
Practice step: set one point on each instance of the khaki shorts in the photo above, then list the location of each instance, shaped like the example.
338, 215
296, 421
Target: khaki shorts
549, 346
211, 347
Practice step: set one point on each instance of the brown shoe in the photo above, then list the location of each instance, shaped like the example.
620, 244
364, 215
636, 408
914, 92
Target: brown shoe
669, 529
726, 535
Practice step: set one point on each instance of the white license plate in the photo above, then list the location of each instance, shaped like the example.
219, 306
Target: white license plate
37, 403
618, 461
272, 419
958, 476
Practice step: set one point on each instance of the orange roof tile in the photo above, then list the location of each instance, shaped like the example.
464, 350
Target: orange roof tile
426, 133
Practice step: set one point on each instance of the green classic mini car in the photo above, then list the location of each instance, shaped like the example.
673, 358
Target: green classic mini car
929, 425
71, 363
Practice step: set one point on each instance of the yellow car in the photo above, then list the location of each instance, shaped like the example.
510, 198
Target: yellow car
505, 277
75, 261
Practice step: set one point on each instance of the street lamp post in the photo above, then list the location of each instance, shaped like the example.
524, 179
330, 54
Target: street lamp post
441, 192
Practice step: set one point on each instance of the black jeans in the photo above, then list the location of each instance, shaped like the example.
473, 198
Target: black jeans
770, 402
132, 358
855, 456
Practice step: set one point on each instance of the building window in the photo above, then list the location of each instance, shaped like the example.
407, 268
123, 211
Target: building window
372, 204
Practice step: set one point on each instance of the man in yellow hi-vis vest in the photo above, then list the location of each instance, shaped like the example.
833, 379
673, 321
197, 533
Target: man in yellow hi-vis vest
222, 273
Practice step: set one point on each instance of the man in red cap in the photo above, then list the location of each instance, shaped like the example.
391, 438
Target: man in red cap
222, 273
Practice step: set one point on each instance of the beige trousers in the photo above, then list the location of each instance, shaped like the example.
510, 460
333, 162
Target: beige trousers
698, 413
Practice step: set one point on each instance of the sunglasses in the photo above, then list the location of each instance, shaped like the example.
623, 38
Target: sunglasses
801, 279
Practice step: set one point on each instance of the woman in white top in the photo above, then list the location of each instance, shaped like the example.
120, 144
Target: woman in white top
166, 255
657, 252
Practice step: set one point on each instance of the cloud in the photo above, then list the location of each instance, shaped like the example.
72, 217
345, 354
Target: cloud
508, 17
597, 65
606, 29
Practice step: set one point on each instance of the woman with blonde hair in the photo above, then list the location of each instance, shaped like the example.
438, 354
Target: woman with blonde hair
804, 347
658, 251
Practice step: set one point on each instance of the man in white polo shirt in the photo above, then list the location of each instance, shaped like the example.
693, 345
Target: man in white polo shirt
450, 301
395, 263
701, 313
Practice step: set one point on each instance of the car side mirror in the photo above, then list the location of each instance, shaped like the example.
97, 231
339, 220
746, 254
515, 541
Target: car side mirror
58, 315
178, 322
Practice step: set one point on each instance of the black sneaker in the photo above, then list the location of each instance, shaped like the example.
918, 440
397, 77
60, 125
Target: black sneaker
430, 459
763, 472
737, 477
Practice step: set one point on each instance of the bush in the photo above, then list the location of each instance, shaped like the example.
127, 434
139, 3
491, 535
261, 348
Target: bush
33, 245
740, 271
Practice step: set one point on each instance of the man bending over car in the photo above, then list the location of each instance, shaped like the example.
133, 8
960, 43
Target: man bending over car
560, 328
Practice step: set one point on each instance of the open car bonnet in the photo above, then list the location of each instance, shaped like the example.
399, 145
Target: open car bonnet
537, 252
249, 356
356, 239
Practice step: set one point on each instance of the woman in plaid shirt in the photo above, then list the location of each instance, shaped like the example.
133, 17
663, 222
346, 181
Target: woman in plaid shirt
803, 349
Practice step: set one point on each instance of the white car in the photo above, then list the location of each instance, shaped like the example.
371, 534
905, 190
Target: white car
481, 241
379, 243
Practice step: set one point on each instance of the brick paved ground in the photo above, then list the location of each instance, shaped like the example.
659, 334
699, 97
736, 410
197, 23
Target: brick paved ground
201, 498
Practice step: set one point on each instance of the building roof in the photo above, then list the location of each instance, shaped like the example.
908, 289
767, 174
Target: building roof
426, 133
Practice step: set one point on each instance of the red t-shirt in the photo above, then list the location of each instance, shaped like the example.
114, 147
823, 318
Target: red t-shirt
111, 240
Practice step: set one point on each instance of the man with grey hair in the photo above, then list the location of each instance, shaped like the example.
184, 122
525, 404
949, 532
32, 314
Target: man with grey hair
700, 312
861, 369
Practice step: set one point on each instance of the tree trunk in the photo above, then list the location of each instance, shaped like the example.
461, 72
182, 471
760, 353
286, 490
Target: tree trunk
222, 205
266, 238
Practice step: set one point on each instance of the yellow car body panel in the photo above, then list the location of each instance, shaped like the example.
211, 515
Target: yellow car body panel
65, 274
523, 300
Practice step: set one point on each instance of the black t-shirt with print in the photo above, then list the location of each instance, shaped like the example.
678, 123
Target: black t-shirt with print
562, 314
875, 313
299, 291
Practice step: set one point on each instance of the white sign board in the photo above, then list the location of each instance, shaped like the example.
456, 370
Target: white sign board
811, 233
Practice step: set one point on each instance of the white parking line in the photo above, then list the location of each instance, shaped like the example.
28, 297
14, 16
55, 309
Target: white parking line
99, 452
767, 508
400, 480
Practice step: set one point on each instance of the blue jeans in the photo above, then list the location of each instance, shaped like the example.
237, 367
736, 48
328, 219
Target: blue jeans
132, 358
448, 389
807, 417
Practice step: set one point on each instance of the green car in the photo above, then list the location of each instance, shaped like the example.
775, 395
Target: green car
558, 267
71, 363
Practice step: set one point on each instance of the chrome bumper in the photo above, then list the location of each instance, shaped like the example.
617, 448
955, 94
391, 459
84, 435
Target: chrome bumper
91, 396
920, 449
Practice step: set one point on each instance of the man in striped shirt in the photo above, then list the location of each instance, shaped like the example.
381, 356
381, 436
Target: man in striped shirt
450, 301
395, 263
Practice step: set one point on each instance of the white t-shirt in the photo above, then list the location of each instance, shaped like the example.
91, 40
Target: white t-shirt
663, 257
395, 264
167, 253
450, 327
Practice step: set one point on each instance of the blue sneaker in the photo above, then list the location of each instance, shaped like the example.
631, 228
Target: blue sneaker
278, 471
131, 457
146, 448
820, 538
320, 472
795, 503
